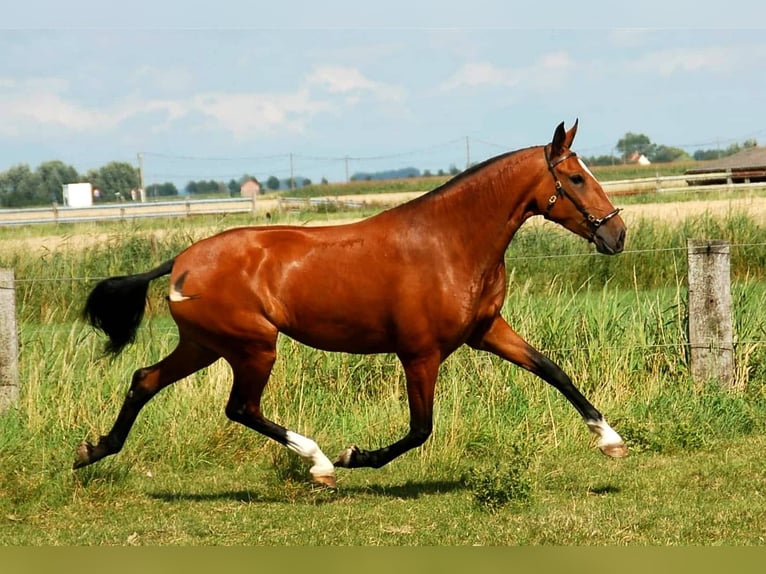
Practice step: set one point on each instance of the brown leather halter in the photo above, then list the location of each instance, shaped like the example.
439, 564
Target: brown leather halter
593, 222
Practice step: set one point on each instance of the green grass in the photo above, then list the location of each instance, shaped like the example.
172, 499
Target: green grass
509, 462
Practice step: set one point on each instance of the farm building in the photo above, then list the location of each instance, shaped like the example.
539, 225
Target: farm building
747, 166
638, 158
77, 194
250, 187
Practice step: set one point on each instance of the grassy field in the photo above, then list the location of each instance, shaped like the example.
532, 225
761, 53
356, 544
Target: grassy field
509, 463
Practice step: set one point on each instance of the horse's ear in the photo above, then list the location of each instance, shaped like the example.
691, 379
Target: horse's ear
571, 134
559, 140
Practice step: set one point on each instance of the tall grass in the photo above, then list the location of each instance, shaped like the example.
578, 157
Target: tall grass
616, 325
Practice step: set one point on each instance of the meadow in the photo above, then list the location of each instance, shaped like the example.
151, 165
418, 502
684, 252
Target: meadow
509, 462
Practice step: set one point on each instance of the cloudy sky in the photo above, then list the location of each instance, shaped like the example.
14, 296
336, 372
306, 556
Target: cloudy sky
214, 90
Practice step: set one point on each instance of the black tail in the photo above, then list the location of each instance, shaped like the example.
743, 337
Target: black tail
116, 305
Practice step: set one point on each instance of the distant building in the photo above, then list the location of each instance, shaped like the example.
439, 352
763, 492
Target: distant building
638, 158
250, 187
77, 194
746, 166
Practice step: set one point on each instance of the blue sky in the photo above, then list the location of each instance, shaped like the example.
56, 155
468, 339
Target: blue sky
213, 90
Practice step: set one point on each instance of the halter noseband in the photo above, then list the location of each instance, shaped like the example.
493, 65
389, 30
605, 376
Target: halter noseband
593, 222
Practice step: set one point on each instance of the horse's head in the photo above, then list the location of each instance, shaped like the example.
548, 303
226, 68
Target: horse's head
573, 198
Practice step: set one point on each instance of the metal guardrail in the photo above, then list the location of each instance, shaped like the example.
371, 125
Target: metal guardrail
184, 208
131, 210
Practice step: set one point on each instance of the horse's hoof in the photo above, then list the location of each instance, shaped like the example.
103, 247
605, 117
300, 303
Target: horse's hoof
82, 455
615, 450
344, 459
327, 480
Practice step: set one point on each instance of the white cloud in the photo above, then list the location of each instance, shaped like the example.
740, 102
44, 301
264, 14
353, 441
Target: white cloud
479, 74
537, 76
339, 79
38, 102
669, 62
248, 114
47, 103
352, 83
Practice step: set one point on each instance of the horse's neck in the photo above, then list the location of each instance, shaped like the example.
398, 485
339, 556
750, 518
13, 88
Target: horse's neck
484, 209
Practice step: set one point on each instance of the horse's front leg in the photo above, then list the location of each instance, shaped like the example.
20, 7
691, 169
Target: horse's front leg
421, 373
504, 342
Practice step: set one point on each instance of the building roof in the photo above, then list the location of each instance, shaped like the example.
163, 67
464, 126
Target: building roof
747, 159
746, 166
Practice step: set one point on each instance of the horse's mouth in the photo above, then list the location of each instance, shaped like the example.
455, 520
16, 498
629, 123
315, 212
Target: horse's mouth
608, 243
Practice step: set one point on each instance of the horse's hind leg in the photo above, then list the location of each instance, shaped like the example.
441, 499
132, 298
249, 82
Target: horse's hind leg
186, 359
250, 377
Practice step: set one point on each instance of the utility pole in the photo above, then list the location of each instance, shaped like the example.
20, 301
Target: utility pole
141, 190
467, 153
347, 169
292, 176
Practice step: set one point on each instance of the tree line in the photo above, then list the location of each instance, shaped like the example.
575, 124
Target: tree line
21, 186
632, 143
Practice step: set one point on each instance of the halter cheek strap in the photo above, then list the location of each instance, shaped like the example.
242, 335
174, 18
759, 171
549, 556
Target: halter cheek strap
593, 222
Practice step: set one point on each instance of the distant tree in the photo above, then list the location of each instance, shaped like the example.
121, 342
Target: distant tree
631, 142
161, 189
191, 188
601, 160
115, 180
272, 183
664, 154
453, 169
54, 175
700, 154
234, 187
305, 182
324, 181
206, 187
705, 154
21, 187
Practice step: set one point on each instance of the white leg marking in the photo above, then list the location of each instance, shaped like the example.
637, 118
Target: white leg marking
610, 443
308, 449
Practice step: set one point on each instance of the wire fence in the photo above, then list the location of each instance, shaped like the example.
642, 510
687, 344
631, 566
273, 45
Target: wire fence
28, 329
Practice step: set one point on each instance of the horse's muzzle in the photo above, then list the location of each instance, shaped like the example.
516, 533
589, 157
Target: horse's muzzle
610, 239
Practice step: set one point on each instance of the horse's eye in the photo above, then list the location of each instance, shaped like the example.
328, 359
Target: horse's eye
577, 179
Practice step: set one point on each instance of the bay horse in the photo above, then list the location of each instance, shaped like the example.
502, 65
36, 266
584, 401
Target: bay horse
418, 280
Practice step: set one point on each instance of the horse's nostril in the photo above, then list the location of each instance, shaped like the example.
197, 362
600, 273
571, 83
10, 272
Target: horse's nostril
621, 240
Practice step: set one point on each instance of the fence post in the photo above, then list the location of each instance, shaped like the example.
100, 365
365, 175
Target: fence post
710, 316
9, 345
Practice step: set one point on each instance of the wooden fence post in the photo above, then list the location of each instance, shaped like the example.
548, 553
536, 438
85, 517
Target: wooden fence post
711, 338
9, 345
